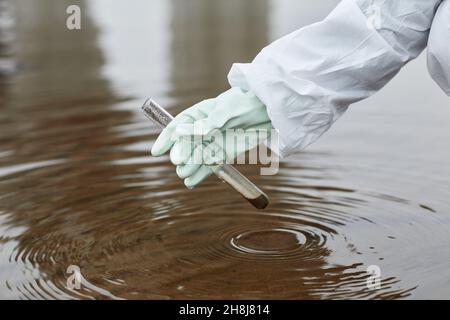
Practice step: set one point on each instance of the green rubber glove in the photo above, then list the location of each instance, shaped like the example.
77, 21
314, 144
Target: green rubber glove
194, 137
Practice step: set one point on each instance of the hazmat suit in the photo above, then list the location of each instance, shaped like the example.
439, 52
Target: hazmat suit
307, 79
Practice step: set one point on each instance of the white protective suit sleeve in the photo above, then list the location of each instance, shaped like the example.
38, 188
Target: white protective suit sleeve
439, 47
308, 78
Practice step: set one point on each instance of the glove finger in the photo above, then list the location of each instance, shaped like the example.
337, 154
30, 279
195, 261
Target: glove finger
181, 151
201, 174
186, 170
200, 110
193, 169
198, 128
204, 108
166, 139
197, 159
163, 143
207, 153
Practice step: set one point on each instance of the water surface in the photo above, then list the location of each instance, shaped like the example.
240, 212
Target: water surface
78, 187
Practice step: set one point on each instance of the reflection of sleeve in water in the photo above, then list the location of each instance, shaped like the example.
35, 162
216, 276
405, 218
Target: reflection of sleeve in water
7, 64
308, 78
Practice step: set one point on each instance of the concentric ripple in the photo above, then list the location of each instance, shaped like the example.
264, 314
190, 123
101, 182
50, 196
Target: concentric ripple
314, 241
271, 242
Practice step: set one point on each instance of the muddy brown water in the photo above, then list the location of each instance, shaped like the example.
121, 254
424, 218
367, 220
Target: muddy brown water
78, 187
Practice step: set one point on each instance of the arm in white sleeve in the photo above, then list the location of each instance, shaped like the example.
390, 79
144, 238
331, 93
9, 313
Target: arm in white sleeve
308, 78
439, 47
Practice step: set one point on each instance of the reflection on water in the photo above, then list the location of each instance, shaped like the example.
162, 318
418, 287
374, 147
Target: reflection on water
78, 188
7, 62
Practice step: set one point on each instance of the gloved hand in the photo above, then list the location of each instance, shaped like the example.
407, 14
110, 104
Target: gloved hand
192, 135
